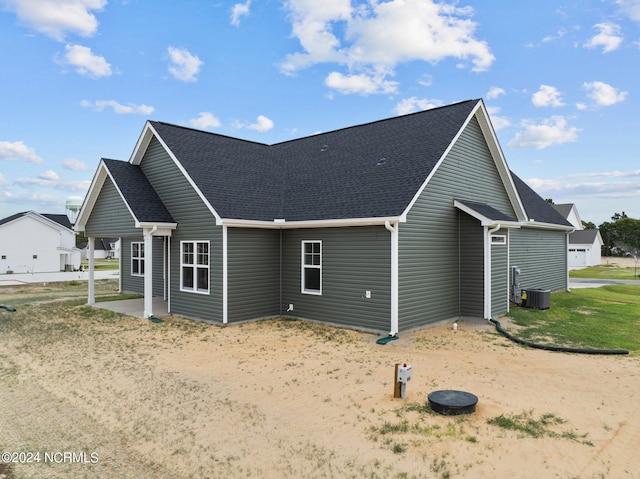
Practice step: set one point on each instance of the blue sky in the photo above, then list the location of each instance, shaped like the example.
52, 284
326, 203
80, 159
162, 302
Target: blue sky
79, 78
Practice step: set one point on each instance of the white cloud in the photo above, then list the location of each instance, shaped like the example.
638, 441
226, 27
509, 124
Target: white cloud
86, 62
262, 124
630, 8
363, 83
551, 131
74, 165
56, 18
378, 36
49, 175
184, 66
603, 94
494, 92
204, 121
3, 180
118, 108
547, 96
239, 10
497, 121
609, 37
17, 150
413, 104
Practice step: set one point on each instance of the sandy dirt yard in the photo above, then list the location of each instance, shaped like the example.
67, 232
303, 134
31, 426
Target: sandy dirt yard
128, 398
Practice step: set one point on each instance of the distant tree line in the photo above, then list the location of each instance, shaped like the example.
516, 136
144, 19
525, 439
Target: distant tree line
621, 236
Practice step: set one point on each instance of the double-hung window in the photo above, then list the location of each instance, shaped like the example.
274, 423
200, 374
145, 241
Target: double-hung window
137, 258
194, 266
312, 267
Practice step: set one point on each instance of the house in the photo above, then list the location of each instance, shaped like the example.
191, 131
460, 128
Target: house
387, 226
32, 242
585, 246
104, 248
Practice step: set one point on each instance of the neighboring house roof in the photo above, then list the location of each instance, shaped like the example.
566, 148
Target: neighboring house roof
584, 236
139, 195
365, 171
58, 219
537, 208
103, 244
564, 209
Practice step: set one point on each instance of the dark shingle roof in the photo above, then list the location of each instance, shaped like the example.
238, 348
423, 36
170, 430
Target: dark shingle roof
62, 220
365, 171
563, 209
536, 207
487, 211
583, 236
138, 192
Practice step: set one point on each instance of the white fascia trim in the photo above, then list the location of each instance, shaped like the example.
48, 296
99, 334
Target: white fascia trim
141, 147
158, 229
283, 224
44, 220
547, 226
90, 198
500, 161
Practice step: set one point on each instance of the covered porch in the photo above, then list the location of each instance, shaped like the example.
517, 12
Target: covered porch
135, 307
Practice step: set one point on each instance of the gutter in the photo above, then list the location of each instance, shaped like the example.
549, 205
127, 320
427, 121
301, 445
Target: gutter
394, 276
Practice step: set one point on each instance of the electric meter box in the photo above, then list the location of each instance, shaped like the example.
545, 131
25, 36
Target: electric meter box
404, 373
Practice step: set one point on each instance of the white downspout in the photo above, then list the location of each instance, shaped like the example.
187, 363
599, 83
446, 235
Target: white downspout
487, 270
394, 276
225, 285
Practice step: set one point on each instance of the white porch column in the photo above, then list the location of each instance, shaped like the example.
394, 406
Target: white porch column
148, 272
91, 246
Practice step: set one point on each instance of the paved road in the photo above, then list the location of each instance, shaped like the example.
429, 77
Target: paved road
26, 278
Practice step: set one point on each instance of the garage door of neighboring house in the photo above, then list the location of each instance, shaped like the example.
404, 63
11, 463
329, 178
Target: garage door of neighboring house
577, 257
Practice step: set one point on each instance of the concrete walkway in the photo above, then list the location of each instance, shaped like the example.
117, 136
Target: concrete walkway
57, 277
134, 307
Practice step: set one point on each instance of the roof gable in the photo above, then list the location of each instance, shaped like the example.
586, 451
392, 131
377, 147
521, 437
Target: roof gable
56, 221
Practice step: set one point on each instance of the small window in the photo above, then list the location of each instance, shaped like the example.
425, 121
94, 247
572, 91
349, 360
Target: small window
4, 256
498, 240
35, 256
194, 266
312, 267
137, 258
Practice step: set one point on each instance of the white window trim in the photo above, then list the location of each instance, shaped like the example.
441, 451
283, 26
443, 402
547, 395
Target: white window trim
498, 240
304, 266
141, 259
195, 267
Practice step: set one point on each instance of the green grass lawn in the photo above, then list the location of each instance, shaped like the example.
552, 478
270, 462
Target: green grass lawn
606, 271
596, 318
102, 265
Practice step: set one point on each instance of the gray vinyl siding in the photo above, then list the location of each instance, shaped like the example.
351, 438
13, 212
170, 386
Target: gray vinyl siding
428, 264
195, 223
499, 276
541, 256
110, 216
354, 260
130, 284
253, 262
471, 264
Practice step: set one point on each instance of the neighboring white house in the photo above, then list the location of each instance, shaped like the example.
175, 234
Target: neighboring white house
585, 246
31, 242
104, 248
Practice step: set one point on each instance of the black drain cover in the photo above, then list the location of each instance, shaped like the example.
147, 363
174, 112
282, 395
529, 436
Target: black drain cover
453, 403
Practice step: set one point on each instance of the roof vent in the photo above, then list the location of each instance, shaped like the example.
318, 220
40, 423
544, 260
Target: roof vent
381, 162
324, 148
